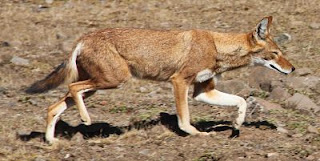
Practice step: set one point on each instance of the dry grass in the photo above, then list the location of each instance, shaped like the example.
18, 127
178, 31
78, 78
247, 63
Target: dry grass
45, 34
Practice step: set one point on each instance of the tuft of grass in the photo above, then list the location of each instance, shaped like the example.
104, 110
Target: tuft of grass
263, 94
296, 121
24, 99
209, 156
299, 126
147, 113
120, 109
103, 141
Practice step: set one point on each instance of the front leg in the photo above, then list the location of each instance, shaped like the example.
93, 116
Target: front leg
180, 89
205, 92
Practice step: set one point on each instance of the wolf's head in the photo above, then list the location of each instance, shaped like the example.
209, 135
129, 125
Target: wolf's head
265, 51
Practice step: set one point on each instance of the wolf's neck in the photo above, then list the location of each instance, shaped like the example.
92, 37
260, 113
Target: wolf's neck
232, 51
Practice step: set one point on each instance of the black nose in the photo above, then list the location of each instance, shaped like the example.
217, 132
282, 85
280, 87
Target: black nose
293, 68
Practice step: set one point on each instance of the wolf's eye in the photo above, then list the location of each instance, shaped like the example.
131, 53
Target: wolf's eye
276, 53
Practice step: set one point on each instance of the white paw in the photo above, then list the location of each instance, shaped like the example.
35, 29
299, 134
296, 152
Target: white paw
212, 133
203, 134
87, 122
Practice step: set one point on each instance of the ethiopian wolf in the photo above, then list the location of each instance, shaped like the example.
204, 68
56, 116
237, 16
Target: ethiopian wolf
107, 58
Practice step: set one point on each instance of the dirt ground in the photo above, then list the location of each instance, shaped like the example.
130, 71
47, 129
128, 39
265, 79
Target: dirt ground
137, 121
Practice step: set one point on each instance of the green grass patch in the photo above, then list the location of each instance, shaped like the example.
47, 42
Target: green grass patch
121, 109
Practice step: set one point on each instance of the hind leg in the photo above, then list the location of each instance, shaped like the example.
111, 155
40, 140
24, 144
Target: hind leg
104, 70
54, 112
77, 90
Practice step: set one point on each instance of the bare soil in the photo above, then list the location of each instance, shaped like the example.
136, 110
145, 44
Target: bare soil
137, 121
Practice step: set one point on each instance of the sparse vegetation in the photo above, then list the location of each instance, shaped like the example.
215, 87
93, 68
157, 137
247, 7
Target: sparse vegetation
43, 34
120, 109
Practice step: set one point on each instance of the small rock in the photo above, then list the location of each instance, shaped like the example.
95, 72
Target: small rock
232, 86
61, 35
313, 129
266, 105
49, 1
310, 157
67, 156
282, 38
119, 149
277, 83
33, 102
296, 82
266, 86
245, 93
19, 61
299, 135
303, 71
280, 124
312, 81
4, 44
282, 130
302, 102
143, 89
5, 58
314, 25
302, 83
103, 103
253, 107
78, 137
145, 152
269, 155
40, 7
279, 93
262, 78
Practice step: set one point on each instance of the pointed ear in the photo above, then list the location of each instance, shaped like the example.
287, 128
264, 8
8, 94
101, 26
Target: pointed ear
262, 29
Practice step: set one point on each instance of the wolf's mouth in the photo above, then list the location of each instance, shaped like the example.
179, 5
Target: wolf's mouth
277, 69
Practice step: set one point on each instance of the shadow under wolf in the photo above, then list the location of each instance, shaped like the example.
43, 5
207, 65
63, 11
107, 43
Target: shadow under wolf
170, 121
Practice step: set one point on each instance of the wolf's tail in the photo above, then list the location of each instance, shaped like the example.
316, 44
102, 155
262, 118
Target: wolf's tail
66, 72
